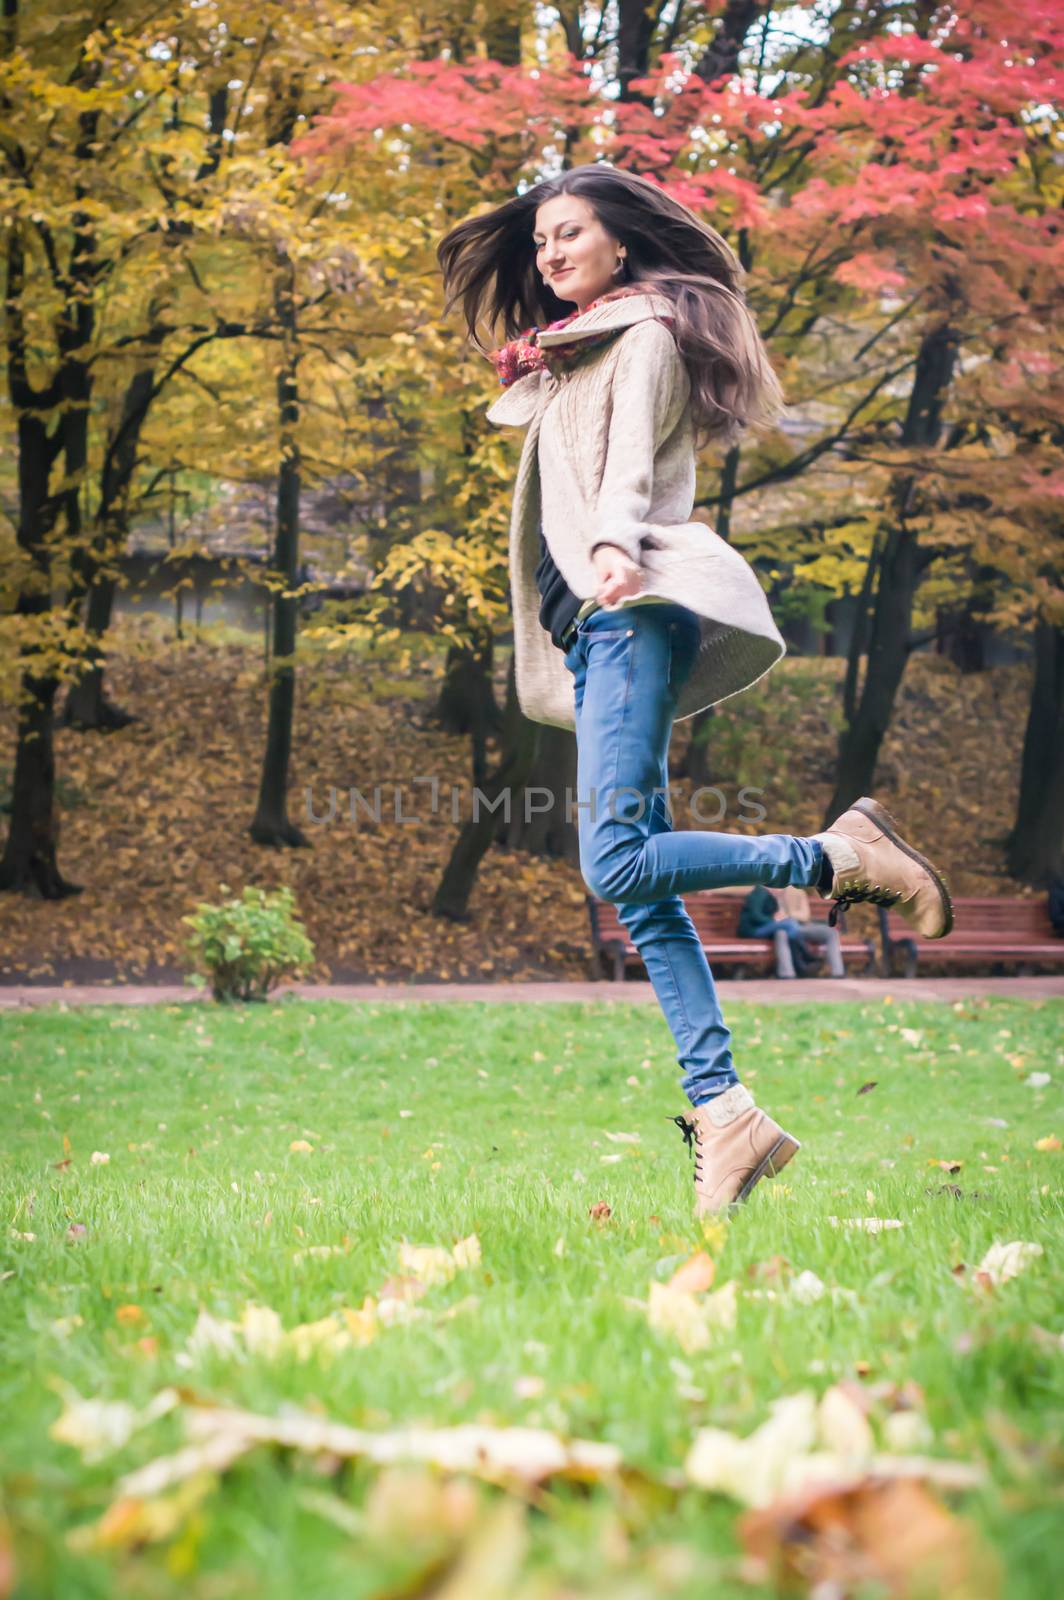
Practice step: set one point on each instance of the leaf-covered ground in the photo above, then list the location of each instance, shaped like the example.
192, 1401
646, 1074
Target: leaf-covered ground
154, 818
450, 1215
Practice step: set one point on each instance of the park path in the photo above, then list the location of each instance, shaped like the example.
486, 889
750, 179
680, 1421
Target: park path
762, 990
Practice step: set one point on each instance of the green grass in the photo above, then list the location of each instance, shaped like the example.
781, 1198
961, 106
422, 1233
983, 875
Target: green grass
197, 1107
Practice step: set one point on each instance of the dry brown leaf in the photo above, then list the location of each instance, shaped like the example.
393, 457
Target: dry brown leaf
895, 1534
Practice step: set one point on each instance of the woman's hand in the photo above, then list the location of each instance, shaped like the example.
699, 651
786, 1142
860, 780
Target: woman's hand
618, 575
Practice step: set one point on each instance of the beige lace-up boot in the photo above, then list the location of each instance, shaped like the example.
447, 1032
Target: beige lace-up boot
734, 1145
871, 861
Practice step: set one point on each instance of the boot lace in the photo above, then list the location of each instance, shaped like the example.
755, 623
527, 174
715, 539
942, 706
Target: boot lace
855, 893
687, 1128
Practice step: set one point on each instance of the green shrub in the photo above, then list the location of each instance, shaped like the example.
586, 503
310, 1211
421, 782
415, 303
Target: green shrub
244, 947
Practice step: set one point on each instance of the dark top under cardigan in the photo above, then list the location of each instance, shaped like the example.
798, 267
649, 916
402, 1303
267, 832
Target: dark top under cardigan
558, 604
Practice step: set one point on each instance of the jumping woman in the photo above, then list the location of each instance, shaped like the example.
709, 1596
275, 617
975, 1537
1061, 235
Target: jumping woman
628, 616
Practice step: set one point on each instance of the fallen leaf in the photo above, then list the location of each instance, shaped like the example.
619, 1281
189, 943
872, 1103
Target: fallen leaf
99, 1158
842, 1425
765, 1271
691, 1319
600, 1211
714, 1232
131, 1522
752, 1470
209, 1336
300, 1147
412, 1503
1005, 1261
866, 1224
696, 1274
98, 1427
893, 1535
866, 1088
489, 1561
129, 1316
806, 1289
262, 1331
466, 1252
1051, 1142
521, 1456
906, 1430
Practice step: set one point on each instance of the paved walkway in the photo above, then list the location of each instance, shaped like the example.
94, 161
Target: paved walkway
762, 990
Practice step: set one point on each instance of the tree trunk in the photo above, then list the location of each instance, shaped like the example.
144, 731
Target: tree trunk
1036, 843
271, 824
860, 742
466, 702
29, 863
546, 832
893, 575
87, 705
520, 737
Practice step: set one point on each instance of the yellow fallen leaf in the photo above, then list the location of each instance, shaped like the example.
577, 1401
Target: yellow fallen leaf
129, 1522
714, 1232
1051, 1142
97, 1427
129, 1316
467, 1252
431, 1263
300, 1147
796, 1449
842, 1426
434, 1264
691, 1319
325, 1334
262, 1330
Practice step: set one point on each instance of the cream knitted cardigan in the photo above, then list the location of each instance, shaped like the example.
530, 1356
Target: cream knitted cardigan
609, 458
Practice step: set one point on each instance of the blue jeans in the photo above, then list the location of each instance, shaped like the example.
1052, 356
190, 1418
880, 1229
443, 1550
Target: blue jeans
629, 666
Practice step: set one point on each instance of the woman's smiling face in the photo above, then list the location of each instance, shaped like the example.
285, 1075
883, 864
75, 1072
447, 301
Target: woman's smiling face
574, 253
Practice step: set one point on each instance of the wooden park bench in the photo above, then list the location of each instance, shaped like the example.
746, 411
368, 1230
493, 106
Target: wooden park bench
986, 930
716, 917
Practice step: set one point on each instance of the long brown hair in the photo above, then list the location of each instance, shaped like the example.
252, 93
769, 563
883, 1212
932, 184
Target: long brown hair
488, 263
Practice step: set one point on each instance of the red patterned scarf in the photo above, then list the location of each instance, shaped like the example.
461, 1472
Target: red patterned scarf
523, 355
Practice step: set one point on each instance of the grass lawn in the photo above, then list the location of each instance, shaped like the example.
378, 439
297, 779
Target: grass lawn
430, 1124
